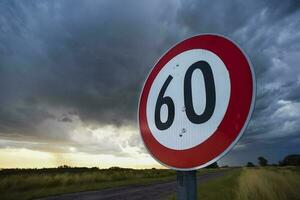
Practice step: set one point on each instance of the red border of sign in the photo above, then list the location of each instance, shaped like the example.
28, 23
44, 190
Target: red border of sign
238, 113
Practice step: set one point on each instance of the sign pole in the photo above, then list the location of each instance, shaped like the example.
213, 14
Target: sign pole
187, 185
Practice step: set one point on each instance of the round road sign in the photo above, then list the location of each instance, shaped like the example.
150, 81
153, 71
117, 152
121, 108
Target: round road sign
196, 102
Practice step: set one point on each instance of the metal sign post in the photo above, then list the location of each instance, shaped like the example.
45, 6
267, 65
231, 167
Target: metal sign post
187, 185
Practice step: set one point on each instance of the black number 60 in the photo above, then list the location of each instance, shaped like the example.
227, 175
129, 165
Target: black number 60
210, 91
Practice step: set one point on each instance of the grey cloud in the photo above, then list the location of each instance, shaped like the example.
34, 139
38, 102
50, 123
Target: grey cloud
89, 57
66, 119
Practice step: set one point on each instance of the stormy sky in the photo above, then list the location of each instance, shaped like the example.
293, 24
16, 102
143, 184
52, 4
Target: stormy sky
71, 71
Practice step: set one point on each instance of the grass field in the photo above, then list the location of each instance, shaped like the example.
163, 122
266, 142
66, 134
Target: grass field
269, 183
29, 184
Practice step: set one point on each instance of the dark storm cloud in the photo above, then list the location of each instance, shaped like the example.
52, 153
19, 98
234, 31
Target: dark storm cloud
63, 59
88, 57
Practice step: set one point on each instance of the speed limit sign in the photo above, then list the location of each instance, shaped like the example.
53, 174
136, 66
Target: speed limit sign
196, 102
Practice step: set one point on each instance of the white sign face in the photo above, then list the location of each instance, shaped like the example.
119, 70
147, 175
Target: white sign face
188, 99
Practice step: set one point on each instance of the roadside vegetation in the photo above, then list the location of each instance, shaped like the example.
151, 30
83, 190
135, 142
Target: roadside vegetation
255, 183
269, 183
33, 183
223, 187
266, 182
25, 184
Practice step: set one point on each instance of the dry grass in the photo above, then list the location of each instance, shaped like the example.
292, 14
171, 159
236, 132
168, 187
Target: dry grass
269, 184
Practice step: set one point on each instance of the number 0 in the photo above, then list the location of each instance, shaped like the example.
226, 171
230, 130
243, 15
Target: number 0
210, 92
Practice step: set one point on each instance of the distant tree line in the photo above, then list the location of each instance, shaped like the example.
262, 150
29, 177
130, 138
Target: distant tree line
262, 161
290, 160
75, 170
59, 169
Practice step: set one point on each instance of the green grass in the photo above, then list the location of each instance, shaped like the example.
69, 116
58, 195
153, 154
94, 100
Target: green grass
223, 187
33, 185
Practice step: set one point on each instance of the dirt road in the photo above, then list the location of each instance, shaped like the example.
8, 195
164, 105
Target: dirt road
158, 191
